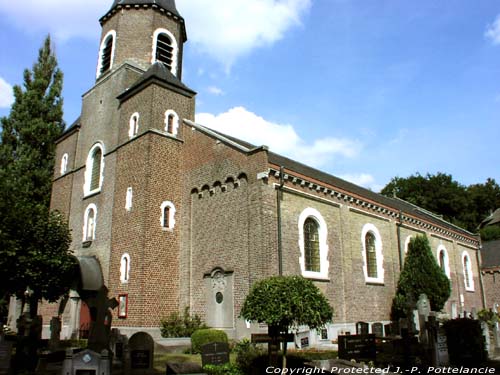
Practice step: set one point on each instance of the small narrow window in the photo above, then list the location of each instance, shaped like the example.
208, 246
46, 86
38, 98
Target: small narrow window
167, 218
133, 125
311, 245
64, 164
468, 276
125, 268
371, 255
128, 199
171, 122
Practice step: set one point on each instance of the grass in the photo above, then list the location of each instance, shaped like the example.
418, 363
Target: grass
160, 360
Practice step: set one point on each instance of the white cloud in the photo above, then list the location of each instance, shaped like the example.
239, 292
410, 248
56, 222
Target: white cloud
6, 94
493, 31
215, 90
363, 179
63, 19
281, 138
228, 29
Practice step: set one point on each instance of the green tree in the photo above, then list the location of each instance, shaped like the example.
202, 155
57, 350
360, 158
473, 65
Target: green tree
420, 274
284, 302
34, 243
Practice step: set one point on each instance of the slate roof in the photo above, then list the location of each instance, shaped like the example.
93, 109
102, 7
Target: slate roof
490, 254
493, 219
168, 5
394, 203
159, 72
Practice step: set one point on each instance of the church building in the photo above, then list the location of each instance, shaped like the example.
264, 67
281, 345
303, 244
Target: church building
167, 214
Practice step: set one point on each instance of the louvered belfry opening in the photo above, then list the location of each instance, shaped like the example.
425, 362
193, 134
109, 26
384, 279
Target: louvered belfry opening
106, 55
96, 170
164, 50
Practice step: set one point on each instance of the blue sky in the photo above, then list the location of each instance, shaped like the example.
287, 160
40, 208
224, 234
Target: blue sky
363, 89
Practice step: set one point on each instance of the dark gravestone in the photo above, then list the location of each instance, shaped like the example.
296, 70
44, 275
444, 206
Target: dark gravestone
304, 342
5, 356
378, 330
362, 328
141, 346
215, 353
183, 368
388, 329
358, 347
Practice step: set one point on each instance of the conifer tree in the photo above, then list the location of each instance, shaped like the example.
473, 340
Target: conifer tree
34, 242
420, 274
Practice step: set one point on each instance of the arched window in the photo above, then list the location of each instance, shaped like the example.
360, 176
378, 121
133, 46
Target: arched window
407, 243
128, 199
167, 219
125, 268
106, 53
373, 261
133, 125
468, 276
313, 245
171, 122
165, 49
443, 261
89, 222
64, 164
94, 170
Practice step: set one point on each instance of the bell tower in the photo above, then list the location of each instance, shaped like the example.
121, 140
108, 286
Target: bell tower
141, 32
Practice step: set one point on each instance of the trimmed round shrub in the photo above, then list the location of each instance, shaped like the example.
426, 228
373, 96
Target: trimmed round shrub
201, 337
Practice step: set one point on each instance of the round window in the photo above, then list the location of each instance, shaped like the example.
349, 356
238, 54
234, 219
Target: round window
219, 297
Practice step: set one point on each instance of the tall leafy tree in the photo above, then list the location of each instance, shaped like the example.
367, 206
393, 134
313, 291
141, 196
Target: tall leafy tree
34, 243
420, 274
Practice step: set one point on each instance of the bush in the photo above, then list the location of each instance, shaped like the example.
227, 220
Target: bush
225, 369
466, 344
201, 337
246, 353
177, 325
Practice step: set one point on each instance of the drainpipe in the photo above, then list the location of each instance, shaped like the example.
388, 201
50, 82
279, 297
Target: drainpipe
479, 264
279, 197
400, 248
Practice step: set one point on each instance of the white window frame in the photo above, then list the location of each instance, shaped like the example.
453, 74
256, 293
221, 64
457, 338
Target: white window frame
128, 198
470, 287
314, 214
125, 268
371, 228
89, 236
133, 128
101, 50
64, 164
175, 124
440, 249
88, 170
175, 49
171, 215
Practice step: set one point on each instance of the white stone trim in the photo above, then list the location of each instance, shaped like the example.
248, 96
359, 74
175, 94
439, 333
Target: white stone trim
407, 243
175, 124
370, 228
88, 170
64, 164
440, 249
175, 51
125, 268
128, 199
323, 245
133, 127
111, 33
89, 232
470, 287
171, 216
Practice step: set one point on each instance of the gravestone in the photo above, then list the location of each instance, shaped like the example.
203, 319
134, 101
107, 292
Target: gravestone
362, 328
424, 309
86, 362
358, 347
55, 333
215, 353
5, 355
141, 347
442, 349
184, 368
388, 330
378, 330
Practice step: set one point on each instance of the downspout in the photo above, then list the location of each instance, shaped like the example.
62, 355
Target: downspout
279, 197
400, 249
479, 265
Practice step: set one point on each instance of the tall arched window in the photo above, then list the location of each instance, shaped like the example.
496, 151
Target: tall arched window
165, 49
311, 245
94, 169
106, 53
64, 164
467, 268
125, 268
443, 261
373, 261
89, 222
133, 125
167, 219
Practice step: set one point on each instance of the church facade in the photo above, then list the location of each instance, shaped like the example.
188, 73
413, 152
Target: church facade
177, 215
